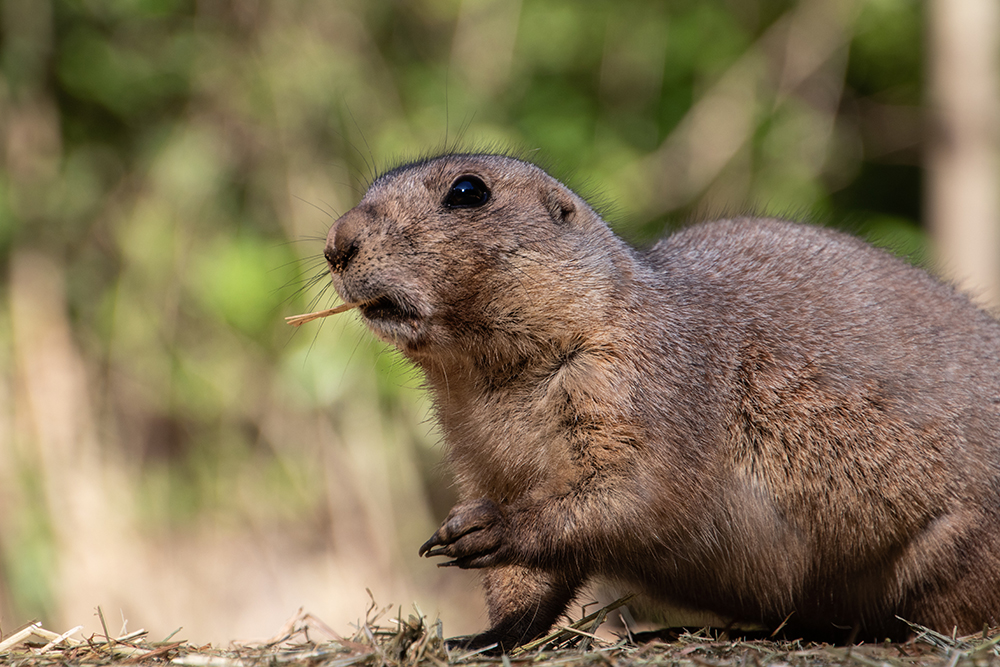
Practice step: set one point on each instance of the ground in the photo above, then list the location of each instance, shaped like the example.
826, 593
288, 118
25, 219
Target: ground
384, 638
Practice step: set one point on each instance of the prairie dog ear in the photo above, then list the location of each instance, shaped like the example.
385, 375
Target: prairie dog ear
560, 204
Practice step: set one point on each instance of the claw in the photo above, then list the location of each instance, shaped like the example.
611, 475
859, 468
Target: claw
436, 551
426, 547
452, 539
436, 546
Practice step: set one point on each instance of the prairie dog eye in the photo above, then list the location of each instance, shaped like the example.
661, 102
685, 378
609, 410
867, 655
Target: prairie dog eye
467, 192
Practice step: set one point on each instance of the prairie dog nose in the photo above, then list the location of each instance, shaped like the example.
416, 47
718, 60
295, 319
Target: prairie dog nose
342, 242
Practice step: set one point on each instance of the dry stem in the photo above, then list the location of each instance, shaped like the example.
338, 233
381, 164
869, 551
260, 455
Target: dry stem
299, 320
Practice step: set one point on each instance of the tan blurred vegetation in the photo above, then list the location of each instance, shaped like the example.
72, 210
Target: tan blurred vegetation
168, 447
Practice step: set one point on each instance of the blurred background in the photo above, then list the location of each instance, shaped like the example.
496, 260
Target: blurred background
171, 451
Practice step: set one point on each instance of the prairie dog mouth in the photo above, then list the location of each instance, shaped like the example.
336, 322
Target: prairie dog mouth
392, 319
388, 310
383, 309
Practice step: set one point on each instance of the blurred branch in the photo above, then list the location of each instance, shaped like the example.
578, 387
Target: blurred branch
54, 404
963, 156
723, 120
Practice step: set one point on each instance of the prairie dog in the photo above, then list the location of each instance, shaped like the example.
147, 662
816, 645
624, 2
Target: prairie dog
753, 417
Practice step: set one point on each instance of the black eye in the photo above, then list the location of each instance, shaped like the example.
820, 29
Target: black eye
467, 192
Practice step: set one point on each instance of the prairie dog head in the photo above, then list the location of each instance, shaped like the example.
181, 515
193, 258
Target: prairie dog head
463, 250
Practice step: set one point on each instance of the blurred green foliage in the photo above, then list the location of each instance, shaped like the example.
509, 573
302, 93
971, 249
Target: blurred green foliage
181, 160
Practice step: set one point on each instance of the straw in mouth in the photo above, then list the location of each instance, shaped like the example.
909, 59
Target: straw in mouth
299, 320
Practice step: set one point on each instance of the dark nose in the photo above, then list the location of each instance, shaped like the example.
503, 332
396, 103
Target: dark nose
342, 242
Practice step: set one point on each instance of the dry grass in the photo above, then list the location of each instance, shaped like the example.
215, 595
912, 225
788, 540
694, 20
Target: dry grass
387, 640
299, 320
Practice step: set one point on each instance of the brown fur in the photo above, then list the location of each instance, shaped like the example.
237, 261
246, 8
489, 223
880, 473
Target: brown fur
754, 417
